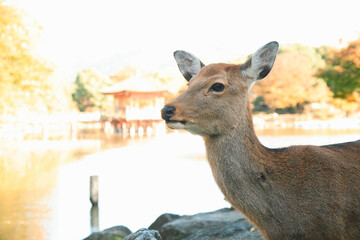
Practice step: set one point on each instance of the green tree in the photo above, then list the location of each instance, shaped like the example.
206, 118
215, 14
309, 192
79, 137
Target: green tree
82, 96
87, 94
342, 71
23, 76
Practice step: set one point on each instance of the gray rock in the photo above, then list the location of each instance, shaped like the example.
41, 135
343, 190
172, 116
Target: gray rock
222, 224
117, 232
144, 234
165, 218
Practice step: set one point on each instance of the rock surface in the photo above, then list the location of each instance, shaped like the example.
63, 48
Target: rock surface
223, 224
113, 233
144, 234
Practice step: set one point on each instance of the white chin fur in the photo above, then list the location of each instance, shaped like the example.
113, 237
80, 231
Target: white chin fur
175, 125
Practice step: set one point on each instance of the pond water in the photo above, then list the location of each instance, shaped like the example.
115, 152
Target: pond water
44, 185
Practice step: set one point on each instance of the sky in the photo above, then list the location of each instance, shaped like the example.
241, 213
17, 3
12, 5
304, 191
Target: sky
111, 34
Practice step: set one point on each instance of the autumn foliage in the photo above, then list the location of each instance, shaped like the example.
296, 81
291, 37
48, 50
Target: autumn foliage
342, 74
303, 77
23, 76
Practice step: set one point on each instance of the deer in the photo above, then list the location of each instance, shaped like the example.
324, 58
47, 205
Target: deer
296, 192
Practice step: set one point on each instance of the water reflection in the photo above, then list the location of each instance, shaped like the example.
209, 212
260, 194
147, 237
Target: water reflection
25, 180
94, 199
42, 196
29, 175
94, 218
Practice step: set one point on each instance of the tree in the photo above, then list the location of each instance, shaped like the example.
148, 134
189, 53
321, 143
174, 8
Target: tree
124, 74
342, 70
23, 76
87, 94
82, 96
291, 84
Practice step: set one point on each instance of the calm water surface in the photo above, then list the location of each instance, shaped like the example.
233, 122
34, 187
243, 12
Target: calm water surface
44, 185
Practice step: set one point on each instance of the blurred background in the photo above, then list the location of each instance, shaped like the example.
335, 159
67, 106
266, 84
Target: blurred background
82, 83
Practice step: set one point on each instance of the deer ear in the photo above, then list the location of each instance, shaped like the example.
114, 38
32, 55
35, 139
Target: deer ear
188, 64
261, 63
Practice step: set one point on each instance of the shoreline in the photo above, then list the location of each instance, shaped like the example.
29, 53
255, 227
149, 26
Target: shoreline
303, 122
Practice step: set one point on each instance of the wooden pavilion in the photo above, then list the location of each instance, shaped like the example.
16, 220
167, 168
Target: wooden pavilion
137, 105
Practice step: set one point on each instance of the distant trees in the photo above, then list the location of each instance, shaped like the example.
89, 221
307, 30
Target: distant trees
342, 71
87, 94
124, 74
292, 82
23, 76
303, 77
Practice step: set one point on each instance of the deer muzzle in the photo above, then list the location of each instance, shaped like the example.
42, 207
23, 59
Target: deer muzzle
167, 112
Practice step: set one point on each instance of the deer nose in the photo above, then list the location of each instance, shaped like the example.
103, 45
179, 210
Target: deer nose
167, 112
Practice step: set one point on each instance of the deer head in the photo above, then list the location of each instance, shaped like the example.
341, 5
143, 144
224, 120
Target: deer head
216, 101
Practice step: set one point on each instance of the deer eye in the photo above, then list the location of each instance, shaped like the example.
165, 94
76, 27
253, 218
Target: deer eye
217, 87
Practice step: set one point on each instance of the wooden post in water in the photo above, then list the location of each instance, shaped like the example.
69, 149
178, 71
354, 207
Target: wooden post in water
94, 190
94, 199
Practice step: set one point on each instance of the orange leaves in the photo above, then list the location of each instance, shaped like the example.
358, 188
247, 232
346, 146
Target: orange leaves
339, 69
292, 82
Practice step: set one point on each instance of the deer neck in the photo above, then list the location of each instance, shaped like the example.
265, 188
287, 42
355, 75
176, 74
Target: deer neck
237, 163
239, 146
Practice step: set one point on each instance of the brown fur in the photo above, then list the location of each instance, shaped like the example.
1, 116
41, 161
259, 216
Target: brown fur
300, 192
